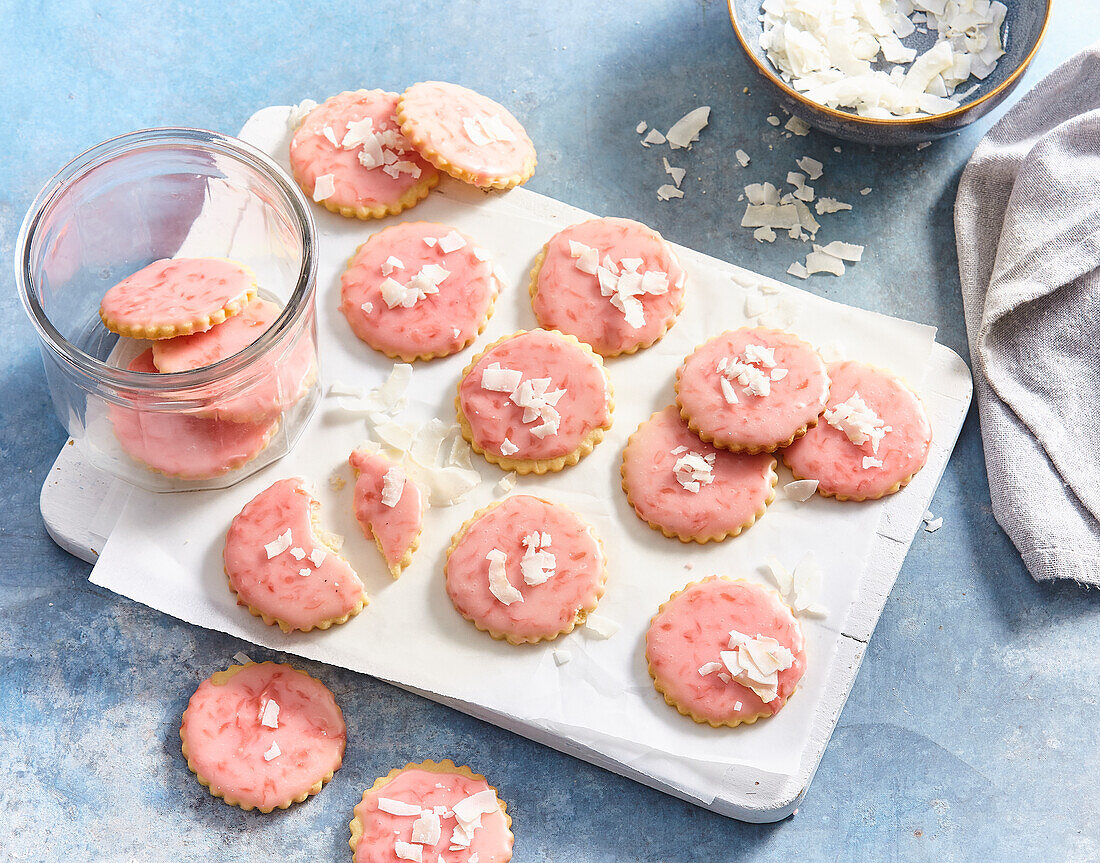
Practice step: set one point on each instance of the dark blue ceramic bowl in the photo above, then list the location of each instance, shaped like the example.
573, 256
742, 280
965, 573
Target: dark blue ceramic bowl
1025, 24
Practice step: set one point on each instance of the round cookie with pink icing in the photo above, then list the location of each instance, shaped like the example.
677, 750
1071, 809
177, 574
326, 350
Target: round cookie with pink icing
431, 811
535, 402
725, 652
278, 382
263, 736
873, 437
615, 284
466, 135
177, 296
350, 156
282, 570
752, 389
690, 490
388, 506
525, 570
185, 446
418, 290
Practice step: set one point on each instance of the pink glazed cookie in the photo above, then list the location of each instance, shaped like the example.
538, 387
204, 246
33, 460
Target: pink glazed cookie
613, 283
185, 446
525, 570
418, 290
263, 736
690, 490
725, 652
279, 381
388, 507
176, 296
752, 389
279, 568
467, 135
874, 436
434, 812
350, 157
534, 402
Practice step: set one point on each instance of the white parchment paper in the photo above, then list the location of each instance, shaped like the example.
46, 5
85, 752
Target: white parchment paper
165, 550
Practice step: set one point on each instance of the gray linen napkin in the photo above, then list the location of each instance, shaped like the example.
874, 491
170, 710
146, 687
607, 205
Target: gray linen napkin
1027, 225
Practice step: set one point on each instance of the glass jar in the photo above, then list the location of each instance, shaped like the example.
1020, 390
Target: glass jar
135, 199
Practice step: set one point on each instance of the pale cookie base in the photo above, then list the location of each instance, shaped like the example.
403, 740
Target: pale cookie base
420, 144
684, 711
412, 358
327, 541
219, 678
533, 290
702, 539
748, 450
537, 466
444, 766
582, 612
200, 324
395, 568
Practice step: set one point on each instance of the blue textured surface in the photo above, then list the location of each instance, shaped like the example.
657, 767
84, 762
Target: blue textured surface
972, 730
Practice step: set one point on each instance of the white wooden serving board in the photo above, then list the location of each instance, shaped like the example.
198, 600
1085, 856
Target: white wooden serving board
80, 506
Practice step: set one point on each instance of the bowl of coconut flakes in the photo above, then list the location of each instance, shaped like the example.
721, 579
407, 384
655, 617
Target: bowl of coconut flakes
890, 71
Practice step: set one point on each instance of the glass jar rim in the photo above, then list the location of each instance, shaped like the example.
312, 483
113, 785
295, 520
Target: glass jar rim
176, 382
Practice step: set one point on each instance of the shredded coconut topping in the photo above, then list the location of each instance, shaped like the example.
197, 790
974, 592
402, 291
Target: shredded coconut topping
754, 370
273, 751
622, 282
537, 564
858, 421
484, 129
694, 470
425, 282
278, 545
397, 807
533, 395
755, 662
499, 586
393, 485
269, 715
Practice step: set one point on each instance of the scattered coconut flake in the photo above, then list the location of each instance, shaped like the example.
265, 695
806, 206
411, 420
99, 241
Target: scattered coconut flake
406, 850
273, 751
299, 112
278, 545
330, 135
600, 626
393, 484
654, 137
641, 127
508, 448
686, 130
869, 461
240, 657
397, 807
858, 421
506, 483
297, 553
480, 253
801, 489
426, 829
469, 810
452, 242
694, 470
819, 261
485, 129
797, 269
755, 304
317, 556
844, 251
806, 588
710, 668
561, 656
324, 187
737, 705
764, 234
269, 716
812, 167
306, 573
775, 121
923, 144
866, 190
797, 126
667, 192
830, 205
390, 264
742, 158
677, 174
499, 585
934, 525
780, 575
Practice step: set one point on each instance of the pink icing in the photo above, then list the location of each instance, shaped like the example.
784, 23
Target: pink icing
570, 300
586, 405
279, 381
437, 325
693, 629
742, 483
185, 445
827, 455
175, 292
434, 112
274, 585
547, 609
312, 154
492, 841
395, 528
226, 742
755, 422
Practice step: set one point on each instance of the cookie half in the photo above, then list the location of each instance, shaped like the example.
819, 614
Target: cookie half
615, 284
418, 290
433, 810
279, 567
466, 135
263, 736
535, 402
752, 389
690, 490
388, 506
725, 652
177, 296
525, 570
873, 438
350, 156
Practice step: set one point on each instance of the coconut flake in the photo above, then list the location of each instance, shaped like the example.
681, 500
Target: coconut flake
844, 251
426, 829
819, 261
858, 421
801, 489
686, 130
469, 810
561, 656
278, 545
709, 668
324, 187
641, 127
317, 556
390, 264
667, 192
742, 158
452, 242
934, 525
830, 205
299, 112
654, 137
499, 585
812, 167
397, 807
240, 657
297, 553
393, 485
408, 851
269, 715
797, 126
797, 269
273, 752
600, 626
